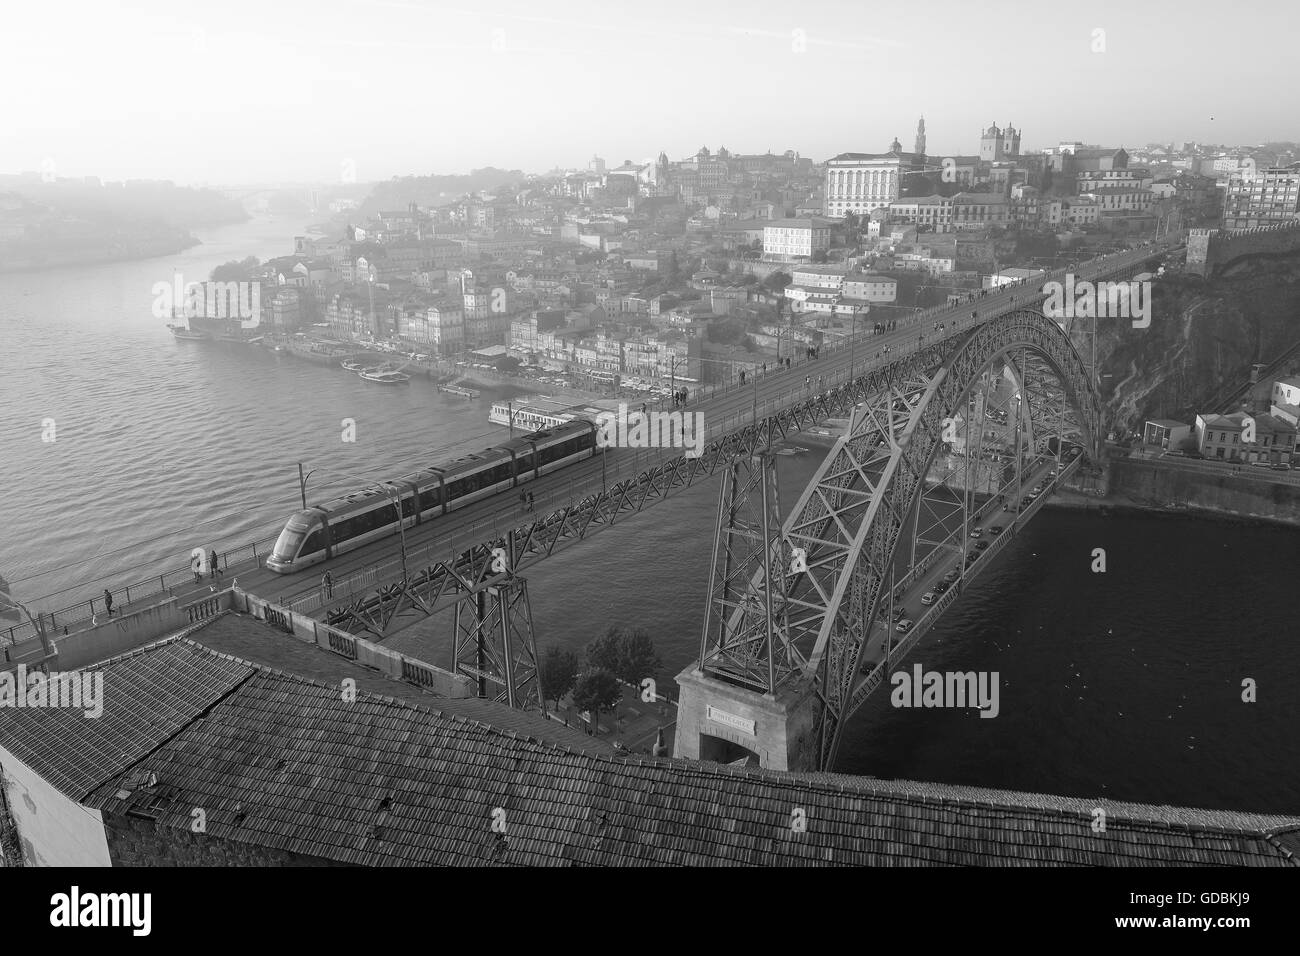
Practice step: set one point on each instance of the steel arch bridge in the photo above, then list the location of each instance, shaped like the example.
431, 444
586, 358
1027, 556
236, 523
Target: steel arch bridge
796, 606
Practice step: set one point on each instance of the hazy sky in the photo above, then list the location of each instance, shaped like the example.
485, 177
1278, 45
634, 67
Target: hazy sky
242, 91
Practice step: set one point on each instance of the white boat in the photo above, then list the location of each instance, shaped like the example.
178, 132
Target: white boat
184, 332
352, 365
385, 376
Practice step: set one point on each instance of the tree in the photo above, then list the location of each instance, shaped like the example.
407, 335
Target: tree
233, 271
559, 673
777, 281
602, 653
820, 256
597, 690
674, 270
9, 602
637, 659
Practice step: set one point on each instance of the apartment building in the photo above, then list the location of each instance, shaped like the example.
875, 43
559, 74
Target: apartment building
1262, 197
795, 238
928, 212
1223, 437
861, 287
974, 210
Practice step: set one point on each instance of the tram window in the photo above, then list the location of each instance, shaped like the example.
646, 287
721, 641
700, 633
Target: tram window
429, 498
315, 542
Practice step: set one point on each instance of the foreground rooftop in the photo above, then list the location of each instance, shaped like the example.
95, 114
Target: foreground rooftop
251, 725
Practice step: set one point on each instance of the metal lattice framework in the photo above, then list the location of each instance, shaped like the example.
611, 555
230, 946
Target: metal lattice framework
493, 642
737, 642
863, 503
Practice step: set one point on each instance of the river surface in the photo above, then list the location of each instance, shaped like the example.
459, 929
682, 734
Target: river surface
1122, 685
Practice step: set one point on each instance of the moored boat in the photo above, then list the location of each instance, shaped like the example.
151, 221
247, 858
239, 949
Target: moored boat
184, 332
385, 376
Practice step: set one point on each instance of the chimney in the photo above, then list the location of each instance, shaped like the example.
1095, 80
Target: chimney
660, 749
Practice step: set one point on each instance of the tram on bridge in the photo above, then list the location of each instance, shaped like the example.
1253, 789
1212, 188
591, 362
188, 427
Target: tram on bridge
348, 522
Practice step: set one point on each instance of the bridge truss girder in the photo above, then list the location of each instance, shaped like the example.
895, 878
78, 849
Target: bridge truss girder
853, 515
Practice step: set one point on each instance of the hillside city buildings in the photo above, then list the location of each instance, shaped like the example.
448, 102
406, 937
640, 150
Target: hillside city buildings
705, 266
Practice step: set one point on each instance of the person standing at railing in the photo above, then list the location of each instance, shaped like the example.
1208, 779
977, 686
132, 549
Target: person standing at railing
108, 601
216, 568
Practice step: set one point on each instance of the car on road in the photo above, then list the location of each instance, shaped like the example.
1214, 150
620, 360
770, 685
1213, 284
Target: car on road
948, 578
994, 529
927, 598
940, 587
979, 545
1280, 466
974, 532
900, 613
902, 627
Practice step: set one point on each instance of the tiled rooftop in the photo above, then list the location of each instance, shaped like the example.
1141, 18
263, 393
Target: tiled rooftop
283, 761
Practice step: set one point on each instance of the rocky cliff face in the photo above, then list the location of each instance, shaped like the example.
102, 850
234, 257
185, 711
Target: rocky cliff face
1203, 339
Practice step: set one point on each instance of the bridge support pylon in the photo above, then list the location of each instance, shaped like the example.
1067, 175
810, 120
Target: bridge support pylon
718, 721
494, 644
745, 698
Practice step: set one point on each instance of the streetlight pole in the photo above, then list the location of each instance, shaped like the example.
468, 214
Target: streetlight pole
302, 484
401, 523
853, 344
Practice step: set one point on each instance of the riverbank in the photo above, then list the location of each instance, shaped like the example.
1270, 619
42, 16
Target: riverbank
11, 264
1118, 502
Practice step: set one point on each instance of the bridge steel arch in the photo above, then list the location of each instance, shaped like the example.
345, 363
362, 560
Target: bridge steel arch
856, 511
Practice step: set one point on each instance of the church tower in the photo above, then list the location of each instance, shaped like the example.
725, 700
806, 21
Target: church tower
920, 138
991, 144
1010, 142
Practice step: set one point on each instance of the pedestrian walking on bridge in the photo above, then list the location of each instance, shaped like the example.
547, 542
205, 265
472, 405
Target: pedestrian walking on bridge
108, 600
328, 581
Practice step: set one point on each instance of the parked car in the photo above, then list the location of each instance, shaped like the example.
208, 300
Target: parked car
927, 598
940, 587
1280, 466
948, 578
974, 532
995, 529
902, 627
979, 545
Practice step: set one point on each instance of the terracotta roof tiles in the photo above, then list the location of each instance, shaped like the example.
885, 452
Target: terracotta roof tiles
284, 762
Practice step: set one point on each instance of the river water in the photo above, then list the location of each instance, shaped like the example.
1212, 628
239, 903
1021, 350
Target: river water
1122, 685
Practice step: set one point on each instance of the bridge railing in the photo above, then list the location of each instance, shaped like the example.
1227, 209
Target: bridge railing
81, 614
